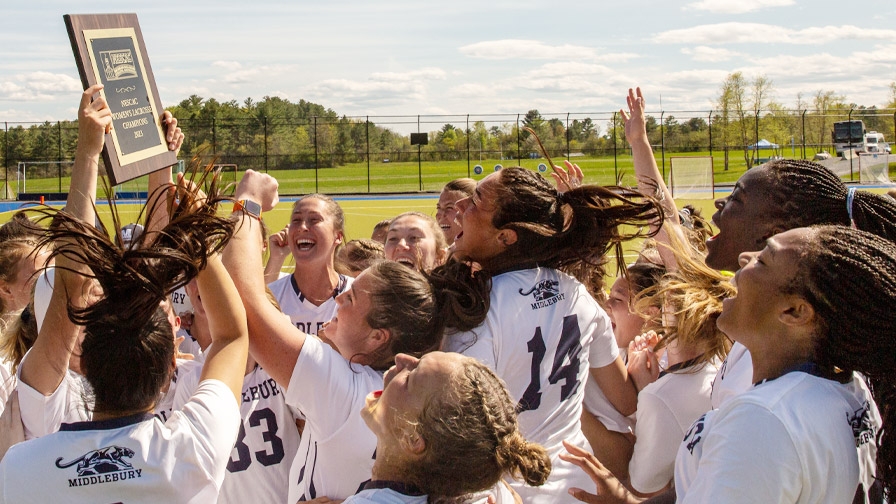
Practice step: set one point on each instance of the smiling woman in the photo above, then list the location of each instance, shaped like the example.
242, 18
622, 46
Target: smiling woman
389, 309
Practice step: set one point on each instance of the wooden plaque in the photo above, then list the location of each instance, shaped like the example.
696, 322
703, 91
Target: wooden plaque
109, 50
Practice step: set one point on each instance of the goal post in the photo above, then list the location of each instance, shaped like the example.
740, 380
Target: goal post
42, 176
691, 177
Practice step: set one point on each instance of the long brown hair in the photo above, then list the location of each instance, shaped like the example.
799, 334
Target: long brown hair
128, 345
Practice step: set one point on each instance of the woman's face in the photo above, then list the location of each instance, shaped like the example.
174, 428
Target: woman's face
743, 220
407, 387
17, 294
349, 331
411, 241
479, 240
312, 233
626, 325
446, 211
753, 316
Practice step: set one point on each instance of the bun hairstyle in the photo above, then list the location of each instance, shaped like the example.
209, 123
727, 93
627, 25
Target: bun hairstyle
128, 345
855, 333
472, 438
417, 309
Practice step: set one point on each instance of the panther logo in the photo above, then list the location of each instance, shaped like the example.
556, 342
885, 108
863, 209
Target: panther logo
862, 427
105, 460
544, 289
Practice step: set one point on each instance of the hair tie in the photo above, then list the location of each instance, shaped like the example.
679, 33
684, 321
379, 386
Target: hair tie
850, 196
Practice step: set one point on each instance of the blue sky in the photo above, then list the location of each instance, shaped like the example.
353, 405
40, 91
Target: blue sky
396, 57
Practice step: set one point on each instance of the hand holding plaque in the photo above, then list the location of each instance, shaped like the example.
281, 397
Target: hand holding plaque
109, 50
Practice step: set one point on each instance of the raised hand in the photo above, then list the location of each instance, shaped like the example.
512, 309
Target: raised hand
609, 490
258, 187
635, 123
569, 178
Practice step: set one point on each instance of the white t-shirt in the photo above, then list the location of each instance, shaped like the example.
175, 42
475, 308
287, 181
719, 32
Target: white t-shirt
337, 450
666, 410
735, 375
597, 404
267, 443
130, 459
543, 324
789, 440
384, 496
43, 415
180, 301
304, 314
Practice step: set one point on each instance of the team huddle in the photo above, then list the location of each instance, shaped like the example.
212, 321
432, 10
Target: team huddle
477, 356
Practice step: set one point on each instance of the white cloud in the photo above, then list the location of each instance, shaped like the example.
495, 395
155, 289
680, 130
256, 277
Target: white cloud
36, 86
227, 65
736, 6
422, 74
710, 54
756, 33
535, 49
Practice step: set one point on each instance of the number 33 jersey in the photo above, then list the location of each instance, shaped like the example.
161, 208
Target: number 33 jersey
258, 469
542, 333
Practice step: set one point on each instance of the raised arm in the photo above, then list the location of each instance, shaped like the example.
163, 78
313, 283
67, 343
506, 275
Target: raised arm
225, 358
650, 181
48, 361
161, 178
274, 342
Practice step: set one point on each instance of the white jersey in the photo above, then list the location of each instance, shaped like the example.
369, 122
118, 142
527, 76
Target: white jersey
304, 314
597, 404
337, 450
268, 440
130, 459
43, 415
180, 301
542, 333
666, 410
734, 376
788, 440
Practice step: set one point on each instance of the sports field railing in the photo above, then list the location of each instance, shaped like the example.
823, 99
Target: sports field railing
374, 154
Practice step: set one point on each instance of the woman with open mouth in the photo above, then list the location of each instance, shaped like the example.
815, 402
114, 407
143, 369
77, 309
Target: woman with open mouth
415, 240
792, 437
545, 333
388, 309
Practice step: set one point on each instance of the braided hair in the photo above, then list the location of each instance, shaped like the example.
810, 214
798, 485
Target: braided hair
806, 193
849, 278
472, 438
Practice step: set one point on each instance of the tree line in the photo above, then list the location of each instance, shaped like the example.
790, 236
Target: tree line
274, 133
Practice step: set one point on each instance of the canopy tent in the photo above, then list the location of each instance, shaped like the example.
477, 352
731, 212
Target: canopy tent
764, 144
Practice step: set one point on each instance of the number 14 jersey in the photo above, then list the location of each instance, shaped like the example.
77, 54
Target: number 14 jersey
542, 334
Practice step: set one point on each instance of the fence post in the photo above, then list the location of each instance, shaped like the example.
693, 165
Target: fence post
367, 135
663, 141
709, 124
615, 158
316, 165
468, 145
59, 153
265, 119
567, 137
214, 137
6, 155
519, 152
849, 118
803, 132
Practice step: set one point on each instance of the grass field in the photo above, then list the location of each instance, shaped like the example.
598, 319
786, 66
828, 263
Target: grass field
408, 177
